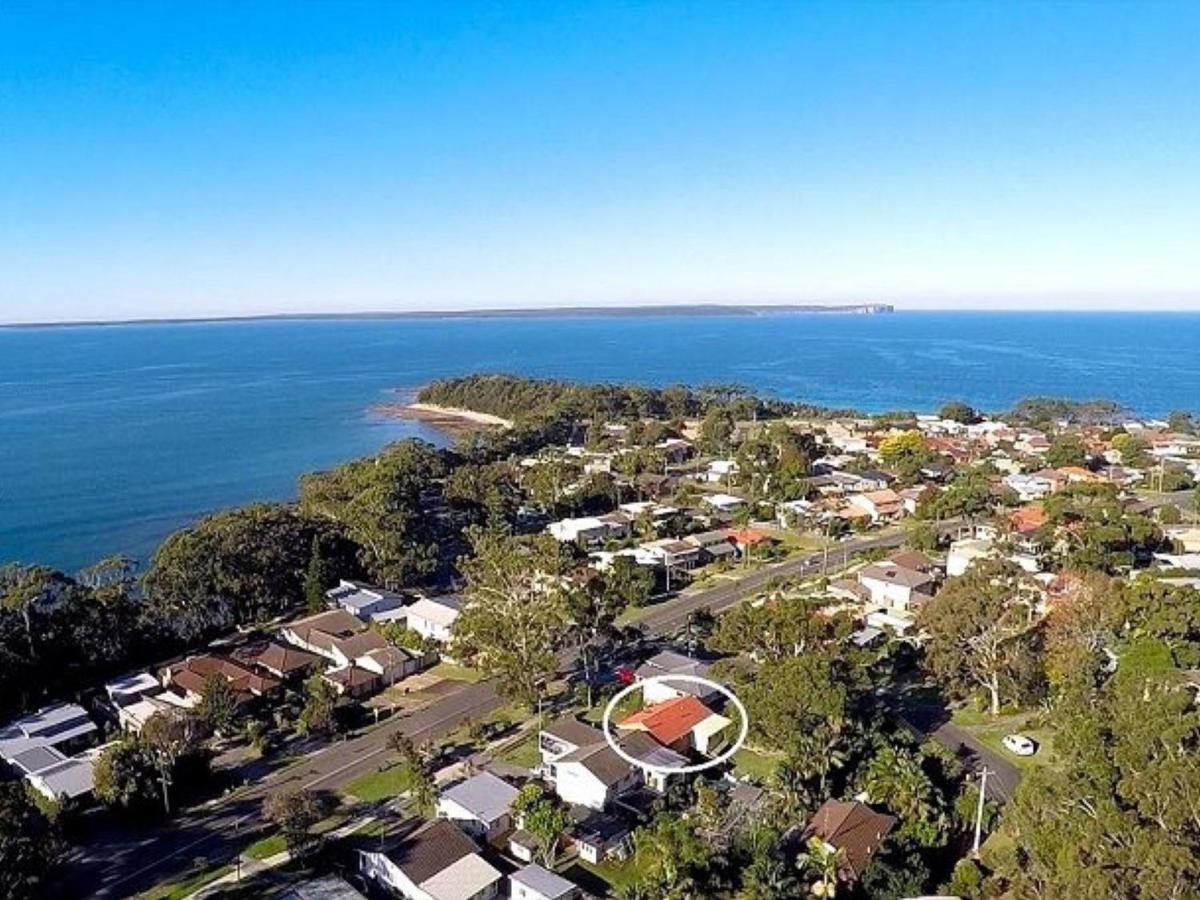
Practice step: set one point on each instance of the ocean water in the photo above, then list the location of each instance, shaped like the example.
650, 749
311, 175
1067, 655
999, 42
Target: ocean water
111, 437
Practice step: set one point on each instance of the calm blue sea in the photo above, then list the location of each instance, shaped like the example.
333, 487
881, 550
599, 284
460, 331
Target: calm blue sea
110, 437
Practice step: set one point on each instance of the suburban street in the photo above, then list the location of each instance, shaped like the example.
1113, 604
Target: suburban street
119, 862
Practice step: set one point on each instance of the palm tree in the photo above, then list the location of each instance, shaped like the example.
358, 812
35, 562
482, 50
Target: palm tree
825, 861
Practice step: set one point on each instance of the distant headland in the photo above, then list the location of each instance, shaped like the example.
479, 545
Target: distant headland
549, 312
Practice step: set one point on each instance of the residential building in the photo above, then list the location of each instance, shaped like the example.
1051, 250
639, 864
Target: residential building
668, 662
434, 617
725, 503
879, 505
536, 883
434, 861
896, 587
586, 531
852, 828
721, 470
593, 776
683, 724
598, 836
481, 805
52, 750
561, 737
191, 676
672, 553
281, 661
963, 553
365, 601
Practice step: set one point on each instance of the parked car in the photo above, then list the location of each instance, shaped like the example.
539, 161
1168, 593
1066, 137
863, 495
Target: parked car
1019, 745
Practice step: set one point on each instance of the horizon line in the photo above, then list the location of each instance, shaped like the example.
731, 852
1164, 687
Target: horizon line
715, 310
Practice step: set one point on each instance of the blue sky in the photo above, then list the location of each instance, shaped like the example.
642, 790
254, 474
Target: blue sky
169, 159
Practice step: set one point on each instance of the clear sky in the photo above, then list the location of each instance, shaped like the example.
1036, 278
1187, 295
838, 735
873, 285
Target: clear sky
169, 159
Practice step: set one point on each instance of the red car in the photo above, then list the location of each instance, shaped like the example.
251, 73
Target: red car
626, 675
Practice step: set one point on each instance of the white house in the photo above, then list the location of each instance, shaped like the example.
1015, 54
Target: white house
1029, 486
434, 617
668, 662
563, 736
963, 553
896, 587
725, 503
593, 776
39, 748
535, 883
720, 470
434, 862
365, 601
585, 530
671, 552
481, 806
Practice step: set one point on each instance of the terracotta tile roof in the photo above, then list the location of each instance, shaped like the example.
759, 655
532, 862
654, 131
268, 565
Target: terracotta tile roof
669, 721
193, 672
852, 827
276, 657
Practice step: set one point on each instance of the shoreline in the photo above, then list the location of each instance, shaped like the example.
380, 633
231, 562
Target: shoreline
450, 419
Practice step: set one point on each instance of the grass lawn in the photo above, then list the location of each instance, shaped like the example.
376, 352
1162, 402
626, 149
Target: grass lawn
452, 672
266, 847
991, 731
380, 785
186, 886
755, 764
524, 752
616, 874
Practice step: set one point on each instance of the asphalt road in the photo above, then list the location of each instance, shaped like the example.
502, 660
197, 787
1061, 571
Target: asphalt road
116, 861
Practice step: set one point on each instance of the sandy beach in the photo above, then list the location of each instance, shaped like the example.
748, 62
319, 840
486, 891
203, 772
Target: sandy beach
447, 418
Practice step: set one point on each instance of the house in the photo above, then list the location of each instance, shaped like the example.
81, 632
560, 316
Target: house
131, 688
648, 509
720, 470
658, 763
351, 681
672, 553
963, 553
563, 736
852, 828
1030, 486
725, 503
914, 560
585, 531
593, 776
480, 806
327, 887
598, 836
535, 883
436, 861
714, 545
337, 635
682, 724
134, 716
668, 662
434, 617
365, 601
879, 505
39, 747
281, 661
192, 676
896, 587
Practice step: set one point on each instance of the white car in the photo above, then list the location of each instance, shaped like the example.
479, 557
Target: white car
1019, 744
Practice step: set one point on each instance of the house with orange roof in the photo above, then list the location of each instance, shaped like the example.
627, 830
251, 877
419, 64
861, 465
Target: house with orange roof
682, 724
884, 504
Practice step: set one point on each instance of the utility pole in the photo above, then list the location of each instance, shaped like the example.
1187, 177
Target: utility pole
979, 810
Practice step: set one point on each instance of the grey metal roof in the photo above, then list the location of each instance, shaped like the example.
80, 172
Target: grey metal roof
484, 796
642, 747
37, 758
71, 777
543, 881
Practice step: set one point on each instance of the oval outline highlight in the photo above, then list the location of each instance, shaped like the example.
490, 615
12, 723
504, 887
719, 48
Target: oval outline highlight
606, 725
